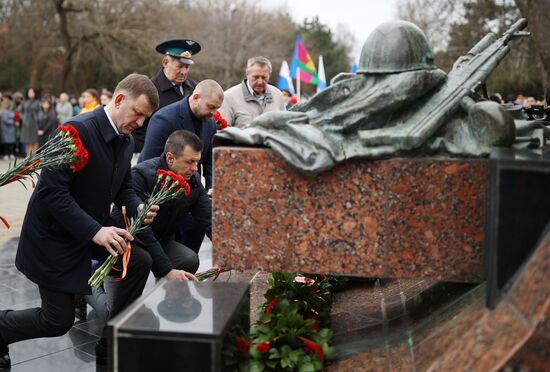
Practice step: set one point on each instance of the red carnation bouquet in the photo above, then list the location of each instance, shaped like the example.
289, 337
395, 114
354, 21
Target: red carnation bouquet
221, 123
169, 185
65, 148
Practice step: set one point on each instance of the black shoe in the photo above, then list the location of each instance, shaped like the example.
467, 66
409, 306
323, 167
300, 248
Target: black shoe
101, 351
5, 361
80, 307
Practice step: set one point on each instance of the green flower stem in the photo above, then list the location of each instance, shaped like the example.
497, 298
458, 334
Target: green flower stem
54, 153
136, 225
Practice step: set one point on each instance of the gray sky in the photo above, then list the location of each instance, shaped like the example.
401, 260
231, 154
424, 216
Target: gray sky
359, 16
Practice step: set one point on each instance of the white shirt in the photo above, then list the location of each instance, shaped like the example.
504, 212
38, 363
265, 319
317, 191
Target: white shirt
111, 120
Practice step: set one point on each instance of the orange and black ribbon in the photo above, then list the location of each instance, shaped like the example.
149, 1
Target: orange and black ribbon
127, 251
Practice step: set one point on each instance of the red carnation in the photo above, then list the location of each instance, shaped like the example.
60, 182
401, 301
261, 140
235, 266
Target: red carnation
315, 318
242, 344
73, 133
80, 154
263, 347
316, 325
80, 158
310, 346
170, 178
221, 123
270, 306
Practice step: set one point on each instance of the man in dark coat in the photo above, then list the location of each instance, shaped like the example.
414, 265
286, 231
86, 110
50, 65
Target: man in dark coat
172, 81
66, 220
170, 259
181, 155
195, 115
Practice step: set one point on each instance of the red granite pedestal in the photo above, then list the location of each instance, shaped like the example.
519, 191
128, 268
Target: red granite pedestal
395, 218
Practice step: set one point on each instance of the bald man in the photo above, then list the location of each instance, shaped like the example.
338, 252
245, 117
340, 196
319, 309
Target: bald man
193, 114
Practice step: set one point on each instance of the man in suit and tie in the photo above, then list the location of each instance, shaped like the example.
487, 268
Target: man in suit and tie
66, 223
172, 81
193, 114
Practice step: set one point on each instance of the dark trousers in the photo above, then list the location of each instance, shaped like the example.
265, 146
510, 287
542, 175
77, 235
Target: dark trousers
9, 149
118, 295
126, 291
54, 318
182, 257
191, 233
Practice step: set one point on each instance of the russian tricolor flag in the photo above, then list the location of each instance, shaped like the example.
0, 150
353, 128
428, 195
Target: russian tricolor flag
285, 81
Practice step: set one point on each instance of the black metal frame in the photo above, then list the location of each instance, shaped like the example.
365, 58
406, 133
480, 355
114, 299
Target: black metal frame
518, 209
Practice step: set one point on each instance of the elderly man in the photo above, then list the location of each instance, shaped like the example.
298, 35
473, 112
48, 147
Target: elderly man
67, 220
253, 96
172, 81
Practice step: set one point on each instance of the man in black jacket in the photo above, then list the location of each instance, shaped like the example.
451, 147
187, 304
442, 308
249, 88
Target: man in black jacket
194, 114
156, 245
67, 220
182, 153
172, 81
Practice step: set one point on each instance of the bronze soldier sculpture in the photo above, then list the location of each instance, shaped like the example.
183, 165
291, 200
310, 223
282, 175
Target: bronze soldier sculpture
398, 103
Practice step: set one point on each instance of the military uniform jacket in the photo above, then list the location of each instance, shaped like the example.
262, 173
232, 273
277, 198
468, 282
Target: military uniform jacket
169, 217
67, 209
171, 118
168, 94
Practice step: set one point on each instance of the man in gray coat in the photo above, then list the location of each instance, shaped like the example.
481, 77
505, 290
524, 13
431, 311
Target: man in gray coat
253, 96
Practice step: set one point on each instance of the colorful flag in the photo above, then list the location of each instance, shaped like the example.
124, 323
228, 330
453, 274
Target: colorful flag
285, 81
302, 60
322, 83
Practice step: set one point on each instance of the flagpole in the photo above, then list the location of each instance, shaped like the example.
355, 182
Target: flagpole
298, 83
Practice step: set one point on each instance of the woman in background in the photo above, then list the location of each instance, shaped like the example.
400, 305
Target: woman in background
90, 98
29, 122
47, 121
8, 128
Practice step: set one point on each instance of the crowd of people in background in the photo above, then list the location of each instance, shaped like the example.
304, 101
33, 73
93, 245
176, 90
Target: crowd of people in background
27, 121
520, 99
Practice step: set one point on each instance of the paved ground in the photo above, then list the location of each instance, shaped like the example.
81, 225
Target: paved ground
73, 351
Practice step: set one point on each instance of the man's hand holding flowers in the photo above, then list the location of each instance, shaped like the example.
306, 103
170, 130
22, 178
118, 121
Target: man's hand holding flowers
150, 216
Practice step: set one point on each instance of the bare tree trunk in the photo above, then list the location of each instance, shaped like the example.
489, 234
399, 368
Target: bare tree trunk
536, 13
34, 71
69, 48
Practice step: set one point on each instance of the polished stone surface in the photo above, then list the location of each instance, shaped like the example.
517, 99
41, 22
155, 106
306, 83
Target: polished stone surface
423, 325
180, 325
73, 351
399, 218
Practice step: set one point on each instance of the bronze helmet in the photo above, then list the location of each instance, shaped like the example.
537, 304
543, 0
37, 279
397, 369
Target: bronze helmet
395, 46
